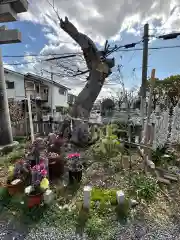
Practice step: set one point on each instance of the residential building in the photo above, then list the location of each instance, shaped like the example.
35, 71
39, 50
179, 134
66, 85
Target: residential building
14, 85
50, 93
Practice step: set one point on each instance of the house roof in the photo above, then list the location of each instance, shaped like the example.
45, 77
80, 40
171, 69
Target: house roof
38, 78
11, 71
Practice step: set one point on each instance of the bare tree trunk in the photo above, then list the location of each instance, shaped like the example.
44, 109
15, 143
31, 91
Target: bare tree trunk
99, 68
5, 122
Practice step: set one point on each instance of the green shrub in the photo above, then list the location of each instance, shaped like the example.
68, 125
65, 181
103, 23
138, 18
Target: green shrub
95, 227
108, 145
157, 155
20, 139
144, 187
15, 155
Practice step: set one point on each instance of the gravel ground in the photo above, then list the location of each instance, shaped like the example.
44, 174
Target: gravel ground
12, 231
135, 231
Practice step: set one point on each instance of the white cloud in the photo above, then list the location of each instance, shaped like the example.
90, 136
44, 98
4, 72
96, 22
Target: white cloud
101, 20
33, 39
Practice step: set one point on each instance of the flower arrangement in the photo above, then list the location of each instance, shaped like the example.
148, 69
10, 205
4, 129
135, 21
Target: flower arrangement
39, 180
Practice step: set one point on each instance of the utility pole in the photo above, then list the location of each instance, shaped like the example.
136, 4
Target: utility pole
8, 12
52, 79
144, 71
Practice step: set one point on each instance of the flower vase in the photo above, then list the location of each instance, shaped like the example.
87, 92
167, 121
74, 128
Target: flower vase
75, 176
34, 200
56, 167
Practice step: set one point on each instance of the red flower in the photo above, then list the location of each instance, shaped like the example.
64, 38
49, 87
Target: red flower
44, 172
73, 155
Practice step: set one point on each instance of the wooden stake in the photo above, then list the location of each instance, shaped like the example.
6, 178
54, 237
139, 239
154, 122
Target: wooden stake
146, 128
30, 118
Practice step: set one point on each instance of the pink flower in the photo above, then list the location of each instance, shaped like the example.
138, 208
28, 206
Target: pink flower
42, 160
36, 167
73, 155
44, 172
42, 166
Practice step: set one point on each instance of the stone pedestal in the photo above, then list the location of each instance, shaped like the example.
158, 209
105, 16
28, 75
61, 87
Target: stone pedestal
8, 147
87, 197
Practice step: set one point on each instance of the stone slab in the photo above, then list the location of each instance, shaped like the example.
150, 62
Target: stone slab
9, 146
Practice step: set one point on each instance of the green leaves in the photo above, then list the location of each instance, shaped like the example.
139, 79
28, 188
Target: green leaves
144, 187
109, 145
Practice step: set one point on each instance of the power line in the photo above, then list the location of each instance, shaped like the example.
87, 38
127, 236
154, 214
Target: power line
116, 48
126, 46
42, 55
155, 48
119, 50
44, 60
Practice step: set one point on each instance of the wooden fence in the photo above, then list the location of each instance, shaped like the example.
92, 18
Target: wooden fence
22, 128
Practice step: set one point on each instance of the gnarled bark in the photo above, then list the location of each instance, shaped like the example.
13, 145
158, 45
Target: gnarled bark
99, 68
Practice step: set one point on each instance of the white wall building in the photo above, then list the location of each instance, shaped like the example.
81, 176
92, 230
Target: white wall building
14, 85
51, 93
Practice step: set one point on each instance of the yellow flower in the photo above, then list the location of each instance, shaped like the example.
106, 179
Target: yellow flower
44, 183
10, 170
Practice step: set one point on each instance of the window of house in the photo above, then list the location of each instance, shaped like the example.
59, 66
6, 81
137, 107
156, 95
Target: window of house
62, 91
37, 89
59, 109
46, 90
9, 85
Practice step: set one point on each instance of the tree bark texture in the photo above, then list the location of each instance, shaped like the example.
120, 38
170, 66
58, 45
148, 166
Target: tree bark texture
5, 123
85, 100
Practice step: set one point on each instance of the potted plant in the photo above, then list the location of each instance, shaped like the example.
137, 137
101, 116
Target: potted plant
39, 184
18, 176
75, 168
56, 165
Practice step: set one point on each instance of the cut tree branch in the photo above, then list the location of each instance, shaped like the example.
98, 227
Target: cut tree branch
90, 51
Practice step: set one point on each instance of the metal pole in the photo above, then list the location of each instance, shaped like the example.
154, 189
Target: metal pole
52, 92
144, 71
5, 122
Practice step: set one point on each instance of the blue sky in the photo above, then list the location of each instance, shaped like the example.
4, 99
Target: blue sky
29, 30
34, 39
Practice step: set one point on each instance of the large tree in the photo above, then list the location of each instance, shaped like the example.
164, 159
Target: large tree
107, 105
99, 67
167, 88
